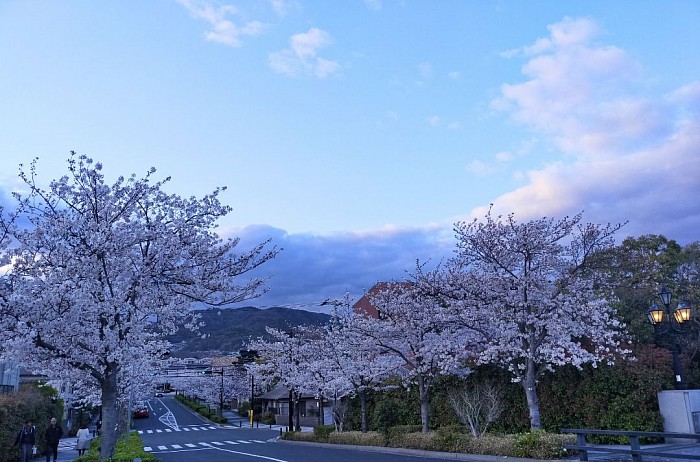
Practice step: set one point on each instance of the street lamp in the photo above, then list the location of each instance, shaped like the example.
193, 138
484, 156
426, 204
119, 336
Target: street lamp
668, 323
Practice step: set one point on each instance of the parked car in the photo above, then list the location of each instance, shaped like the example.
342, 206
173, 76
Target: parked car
140, 412
159, 395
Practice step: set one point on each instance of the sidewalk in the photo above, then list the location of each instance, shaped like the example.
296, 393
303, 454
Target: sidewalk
66, 450
235, 420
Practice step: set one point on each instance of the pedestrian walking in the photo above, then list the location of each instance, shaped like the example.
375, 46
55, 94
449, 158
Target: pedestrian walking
26, 438
83, 440
54, 433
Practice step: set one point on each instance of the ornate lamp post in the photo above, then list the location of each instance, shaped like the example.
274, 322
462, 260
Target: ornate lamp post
668, 324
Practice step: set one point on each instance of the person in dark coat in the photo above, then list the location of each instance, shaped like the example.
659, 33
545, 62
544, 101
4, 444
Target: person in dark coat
54, 433
26, 438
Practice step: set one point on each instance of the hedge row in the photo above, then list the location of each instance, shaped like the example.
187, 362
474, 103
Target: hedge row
620, 397
535, 445
128, 448
201, 409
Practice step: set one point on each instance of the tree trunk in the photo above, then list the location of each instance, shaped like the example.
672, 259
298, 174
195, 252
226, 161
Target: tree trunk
424, 404
533, 402
363, 408
291, 411
297, 414
110, 414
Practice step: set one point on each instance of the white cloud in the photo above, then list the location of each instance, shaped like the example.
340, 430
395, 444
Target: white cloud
480, 168
224, 30
434, 121
625, 153
280, 7
375, 5
312, 268
504, 156
425, 70
301, 56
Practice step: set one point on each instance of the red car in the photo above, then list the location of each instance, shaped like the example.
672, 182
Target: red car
140, 413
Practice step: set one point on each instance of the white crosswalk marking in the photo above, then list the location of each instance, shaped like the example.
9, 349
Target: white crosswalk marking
211, 428
186, 429
167, 430
159, 431
149, 431
195, 429
211, 444
140, 432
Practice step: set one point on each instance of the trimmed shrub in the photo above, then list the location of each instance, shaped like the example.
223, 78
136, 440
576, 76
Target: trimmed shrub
492, 445
357, 438
127, 449
322, 432
542, 445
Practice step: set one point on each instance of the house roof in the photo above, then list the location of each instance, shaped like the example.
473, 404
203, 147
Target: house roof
281, 393
364, 305
276, 394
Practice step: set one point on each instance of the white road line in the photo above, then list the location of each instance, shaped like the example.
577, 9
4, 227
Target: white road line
176, 446
186, 429
149, 431
217, 443
230, 442
159, 431
258, 441
249, 454
147, 448
167, 430
190, 445
195, 429
168, 418
206, 445
243, 441
162, 448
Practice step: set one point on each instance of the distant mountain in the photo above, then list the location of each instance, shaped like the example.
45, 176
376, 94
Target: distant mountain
226, 331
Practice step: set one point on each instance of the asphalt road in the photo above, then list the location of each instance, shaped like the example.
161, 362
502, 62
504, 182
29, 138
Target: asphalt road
176, 434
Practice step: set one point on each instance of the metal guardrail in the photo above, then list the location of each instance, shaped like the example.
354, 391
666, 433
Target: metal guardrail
635, 449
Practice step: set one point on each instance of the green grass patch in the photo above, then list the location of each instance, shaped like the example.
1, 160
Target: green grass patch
127, 449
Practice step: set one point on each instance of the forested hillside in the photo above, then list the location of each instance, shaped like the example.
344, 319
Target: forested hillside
227, 330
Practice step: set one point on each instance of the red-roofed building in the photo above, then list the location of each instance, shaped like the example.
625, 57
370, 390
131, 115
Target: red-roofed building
364, 305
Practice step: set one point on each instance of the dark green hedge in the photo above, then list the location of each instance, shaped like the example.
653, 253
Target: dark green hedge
619, 397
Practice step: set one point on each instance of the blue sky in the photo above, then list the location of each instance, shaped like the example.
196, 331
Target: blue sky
356, 133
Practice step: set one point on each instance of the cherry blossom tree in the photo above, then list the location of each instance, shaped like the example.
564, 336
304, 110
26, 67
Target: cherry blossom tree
352, 361
283, 360
536, 292
419, 331
103, 272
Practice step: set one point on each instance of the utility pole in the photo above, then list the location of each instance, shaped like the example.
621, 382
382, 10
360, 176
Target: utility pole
252, 399
221, 394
